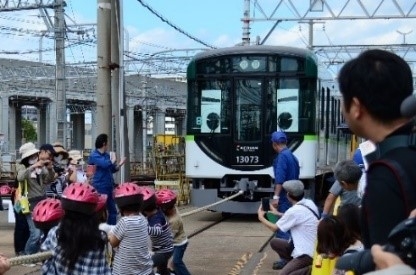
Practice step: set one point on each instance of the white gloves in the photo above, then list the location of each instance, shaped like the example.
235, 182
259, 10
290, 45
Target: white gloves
105, 227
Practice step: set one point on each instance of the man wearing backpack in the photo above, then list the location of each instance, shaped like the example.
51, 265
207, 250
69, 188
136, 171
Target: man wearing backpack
373, 86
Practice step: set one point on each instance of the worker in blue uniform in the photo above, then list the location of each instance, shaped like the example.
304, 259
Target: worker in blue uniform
285, 167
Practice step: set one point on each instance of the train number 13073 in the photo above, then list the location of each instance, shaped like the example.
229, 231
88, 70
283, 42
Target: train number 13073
247, 159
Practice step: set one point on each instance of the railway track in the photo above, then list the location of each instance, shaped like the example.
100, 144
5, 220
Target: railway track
234, 244
249, 263
206, 227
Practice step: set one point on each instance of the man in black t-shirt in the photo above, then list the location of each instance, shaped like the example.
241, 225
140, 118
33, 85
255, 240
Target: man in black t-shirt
373, 86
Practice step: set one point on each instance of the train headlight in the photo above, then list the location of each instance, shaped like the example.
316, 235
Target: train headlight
244, 64
255, 64
284, 120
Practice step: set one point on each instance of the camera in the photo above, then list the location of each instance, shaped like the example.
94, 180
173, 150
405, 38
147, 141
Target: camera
401, 241
58, 169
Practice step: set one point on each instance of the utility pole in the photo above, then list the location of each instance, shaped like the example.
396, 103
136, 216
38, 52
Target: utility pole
117, 89
246, 24
144, 122
60, 93
124, 137
115, 73
103, 93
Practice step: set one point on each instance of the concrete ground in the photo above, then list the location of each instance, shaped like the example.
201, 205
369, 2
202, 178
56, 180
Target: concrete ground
219, 251
7, 248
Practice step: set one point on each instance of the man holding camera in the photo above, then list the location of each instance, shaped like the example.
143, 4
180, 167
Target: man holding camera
373, 87
302, 221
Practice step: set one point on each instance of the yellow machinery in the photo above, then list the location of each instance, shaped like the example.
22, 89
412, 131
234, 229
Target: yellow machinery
169, 165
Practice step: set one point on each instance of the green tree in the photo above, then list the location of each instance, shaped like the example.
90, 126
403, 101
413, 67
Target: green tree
29, 131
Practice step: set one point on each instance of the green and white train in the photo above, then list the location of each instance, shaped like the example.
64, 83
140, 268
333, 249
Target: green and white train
237, 97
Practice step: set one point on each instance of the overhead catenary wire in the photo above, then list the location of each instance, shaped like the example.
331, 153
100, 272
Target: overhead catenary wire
174, 26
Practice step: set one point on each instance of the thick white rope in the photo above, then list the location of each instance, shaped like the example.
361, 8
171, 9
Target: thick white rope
211, 205
33, 258
41, 256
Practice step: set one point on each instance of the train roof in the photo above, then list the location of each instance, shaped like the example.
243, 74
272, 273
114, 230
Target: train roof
255, 49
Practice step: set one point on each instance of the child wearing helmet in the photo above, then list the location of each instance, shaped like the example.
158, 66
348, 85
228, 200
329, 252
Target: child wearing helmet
86, 255
47, 214
159, 231
166, 200
130, 235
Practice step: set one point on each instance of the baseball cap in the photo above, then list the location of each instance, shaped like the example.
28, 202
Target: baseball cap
294, 187
48, 147
279, 137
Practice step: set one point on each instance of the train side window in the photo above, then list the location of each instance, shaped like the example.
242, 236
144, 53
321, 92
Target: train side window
333, 109
307, 106
322, 108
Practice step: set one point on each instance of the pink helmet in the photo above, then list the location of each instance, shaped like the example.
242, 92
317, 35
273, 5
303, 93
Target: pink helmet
47, 213
102, 201
5, 190
165, 198
147, 192
80, 197
149, 198
128, 193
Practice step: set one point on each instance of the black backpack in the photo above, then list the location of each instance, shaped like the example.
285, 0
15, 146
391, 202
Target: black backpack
403, 169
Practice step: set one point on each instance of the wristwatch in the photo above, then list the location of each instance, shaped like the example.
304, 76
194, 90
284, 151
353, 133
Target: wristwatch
275, 197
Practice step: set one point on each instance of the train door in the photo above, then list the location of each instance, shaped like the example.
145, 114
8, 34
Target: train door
248, 126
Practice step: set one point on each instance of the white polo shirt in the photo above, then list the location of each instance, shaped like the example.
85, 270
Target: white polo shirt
303, 225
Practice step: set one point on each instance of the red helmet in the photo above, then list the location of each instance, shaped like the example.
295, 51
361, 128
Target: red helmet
102, 201
47, 213
147, 192
5, 190
149, 198
165, 198
80, 197
127, 193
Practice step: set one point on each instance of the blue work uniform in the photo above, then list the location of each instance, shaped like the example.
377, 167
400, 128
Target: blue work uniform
103, 180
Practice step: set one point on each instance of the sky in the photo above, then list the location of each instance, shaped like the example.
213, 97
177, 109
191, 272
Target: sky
215, 22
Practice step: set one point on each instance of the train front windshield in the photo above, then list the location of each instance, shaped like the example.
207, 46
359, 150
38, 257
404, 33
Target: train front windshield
241, 99
284, 101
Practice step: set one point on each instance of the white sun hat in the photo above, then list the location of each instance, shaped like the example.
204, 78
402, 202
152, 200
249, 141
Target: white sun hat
27, 150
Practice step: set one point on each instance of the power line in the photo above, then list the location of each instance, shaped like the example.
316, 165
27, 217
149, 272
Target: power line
174, 26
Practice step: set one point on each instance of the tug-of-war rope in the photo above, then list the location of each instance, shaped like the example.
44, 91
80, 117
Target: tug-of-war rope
41, 256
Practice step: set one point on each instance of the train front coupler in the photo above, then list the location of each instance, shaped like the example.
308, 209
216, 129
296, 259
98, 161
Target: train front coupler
247, 186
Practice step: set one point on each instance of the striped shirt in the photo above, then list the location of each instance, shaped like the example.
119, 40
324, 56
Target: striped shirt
56, 188
133, 255
160, 233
